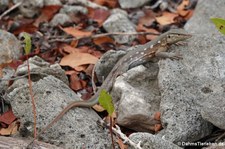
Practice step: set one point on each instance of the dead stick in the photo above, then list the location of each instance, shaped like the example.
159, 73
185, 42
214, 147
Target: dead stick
102, 35
10, 9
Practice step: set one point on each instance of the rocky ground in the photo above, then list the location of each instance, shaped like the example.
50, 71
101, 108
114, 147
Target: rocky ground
188, 93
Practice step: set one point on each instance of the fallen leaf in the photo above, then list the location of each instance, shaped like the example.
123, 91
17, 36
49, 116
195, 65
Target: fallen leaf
108, 3
141, 28
166, 18
74, 31
147, 19
121, 144
80, 68
47, 13
181, 8
157, 116
75, 83
77, 59
101, 40
7, 117
28, 28
158, 127
89, 70
12, 129
98, 108
99, 15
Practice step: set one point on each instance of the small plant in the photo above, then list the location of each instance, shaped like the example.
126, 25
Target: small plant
27, 49
220, 24
105, 100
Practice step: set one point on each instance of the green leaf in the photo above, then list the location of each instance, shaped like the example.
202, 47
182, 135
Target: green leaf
220, 24
105, 100
27, 41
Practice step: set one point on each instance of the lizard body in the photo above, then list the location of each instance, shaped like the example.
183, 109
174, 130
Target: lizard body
140, 55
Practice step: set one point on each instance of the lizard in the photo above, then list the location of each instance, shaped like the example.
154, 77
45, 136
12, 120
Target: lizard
155, 48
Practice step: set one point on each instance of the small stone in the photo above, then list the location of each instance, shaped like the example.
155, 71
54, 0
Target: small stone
10, 47
132, 3
60, 19
73, 9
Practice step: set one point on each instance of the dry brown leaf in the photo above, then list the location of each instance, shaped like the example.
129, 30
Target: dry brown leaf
101, 40
80, 68
158, 127
121, 144
74, 31
12, 129
47, 12
99, 15
181, 8
98, 108
7, 117
166, 18
77, 59
108, 3
142, 28
147, 19
157, 116
75, 83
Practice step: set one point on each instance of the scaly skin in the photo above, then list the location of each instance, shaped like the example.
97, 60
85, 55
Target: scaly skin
142, 54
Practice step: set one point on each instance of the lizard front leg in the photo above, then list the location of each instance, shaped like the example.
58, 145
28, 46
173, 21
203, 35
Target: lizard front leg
161, 53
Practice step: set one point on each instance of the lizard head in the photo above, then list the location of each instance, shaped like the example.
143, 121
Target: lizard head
176, 35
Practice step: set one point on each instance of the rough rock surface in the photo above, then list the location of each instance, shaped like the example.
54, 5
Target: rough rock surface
30, 8
149, 141
10, 47
52, 2
60, 19
119, 22
132, 3
191, 89
73, 9
137, 89
77, 128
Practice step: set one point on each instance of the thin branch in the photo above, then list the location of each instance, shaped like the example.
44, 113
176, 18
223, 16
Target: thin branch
10, 9
32, 98
101, 35
121, 135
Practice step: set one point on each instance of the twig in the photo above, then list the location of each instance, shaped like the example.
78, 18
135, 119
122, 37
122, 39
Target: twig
220, 137
121, 135
32, 98
101, 35
10, 9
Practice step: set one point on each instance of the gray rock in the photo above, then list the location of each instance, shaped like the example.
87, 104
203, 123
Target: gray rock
205, 9
132, 3
3, 5
10, 47
149, 141
118, 22
106, 63
87, 3
52, 2
214, 109
30, 8
7, 73
60, 19
76, 128
38, 67
137, 89
73, 9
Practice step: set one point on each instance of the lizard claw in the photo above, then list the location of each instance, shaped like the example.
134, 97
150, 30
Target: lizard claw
176, 56
181, 43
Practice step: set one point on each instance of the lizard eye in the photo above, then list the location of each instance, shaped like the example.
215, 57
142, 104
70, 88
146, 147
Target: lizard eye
168, 36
